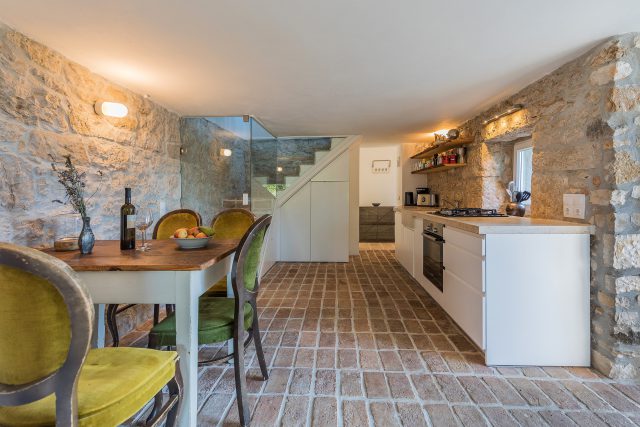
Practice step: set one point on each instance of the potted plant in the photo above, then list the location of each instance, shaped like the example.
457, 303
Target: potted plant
74, 185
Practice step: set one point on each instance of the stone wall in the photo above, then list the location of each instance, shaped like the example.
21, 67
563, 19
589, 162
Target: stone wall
46, 110
210, 181
583, 120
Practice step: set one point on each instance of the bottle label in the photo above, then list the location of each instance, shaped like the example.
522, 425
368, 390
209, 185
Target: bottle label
131, 221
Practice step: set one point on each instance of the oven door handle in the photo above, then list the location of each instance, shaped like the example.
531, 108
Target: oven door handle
432, 238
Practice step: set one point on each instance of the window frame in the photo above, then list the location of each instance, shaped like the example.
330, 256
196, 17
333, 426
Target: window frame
517, 148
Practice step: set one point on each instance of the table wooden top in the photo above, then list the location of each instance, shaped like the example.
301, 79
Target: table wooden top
163, 256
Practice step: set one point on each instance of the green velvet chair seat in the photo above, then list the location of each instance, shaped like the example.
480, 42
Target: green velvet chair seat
114, 384
215, 323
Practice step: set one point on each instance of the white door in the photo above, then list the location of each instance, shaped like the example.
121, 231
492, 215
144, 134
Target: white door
329, 221
295, 227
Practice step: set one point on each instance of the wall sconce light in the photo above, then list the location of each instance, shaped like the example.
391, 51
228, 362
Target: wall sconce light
111, 109
225, 152
513, 109
279, 169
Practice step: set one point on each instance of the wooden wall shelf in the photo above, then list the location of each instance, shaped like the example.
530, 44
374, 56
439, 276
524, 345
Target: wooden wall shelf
429, 152
440, 168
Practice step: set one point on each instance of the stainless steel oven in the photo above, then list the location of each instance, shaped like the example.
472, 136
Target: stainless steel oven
432, 253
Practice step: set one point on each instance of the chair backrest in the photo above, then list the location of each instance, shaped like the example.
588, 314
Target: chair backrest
246, 262
232, 223
46, 320
171, 221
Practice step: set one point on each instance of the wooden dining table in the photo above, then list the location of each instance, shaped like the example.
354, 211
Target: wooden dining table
163, 275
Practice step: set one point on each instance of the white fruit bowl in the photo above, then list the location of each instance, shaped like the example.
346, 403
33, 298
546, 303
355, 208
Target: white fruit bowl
192, 243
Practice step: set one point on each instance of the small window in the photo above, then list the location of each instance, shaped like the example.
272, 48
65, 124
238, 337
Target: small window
523, 166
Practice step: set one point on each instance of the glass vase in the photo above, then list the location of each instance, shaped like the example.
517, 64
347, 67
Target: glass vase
87, 239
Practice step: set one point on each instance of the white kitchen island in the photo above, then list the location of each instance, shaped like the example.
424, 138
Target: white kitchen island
518, 287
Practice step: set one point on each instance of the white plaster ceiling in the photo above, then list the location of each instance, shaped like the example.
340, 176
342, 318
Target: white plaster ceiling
387, 69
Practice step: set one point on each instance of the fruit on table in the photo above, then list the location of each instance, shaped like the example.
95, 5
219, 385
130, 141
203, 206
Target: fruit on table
181, 233
193, 233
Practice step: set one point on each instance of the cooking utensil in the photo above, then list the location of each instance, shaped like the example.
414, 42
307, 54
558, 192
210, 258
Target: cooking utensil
511, 189
525, 196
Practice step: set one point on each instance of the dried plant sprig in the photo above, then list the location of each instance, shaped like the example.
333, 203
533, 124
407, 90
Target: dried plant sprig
74, 185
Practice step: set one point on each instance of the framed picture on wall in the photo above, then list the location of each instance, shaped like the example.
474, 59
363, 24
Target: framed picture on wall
380, 166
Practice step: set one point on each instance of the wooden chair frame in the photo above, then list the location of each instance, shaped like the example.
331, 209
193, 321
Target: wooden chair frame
242, 296
226, 211
113, 310
64, 381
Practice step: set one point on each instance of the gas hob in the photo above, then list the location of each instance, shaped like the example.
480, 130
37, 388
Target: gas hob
470, 212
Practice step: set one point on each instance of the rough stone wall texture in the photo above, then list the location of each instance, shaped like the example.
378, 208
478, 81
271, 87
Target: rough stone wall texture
584, 121
46, 109
211, 181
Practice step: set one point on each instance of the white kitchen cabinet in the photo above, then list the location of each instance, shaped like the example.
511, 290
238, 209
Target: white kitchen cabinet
330, 228
295, 228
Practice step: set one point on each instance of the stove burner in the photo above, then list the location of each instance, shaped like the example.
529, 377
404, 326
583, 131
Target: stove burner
470, 212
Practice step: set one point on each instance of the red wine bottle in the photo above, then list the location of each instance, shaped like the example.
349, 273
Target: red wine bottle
127, 222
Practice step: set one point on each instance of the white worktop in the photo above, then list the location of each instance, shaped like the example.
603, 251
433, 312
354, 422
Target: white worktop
500, 225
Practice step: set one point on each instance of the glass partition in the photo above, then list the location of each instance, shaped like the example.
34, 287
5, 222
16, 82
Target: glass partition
265, 171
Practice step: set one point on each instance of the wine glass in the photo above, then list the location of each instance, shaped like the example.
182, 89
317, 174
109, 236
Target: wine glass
144, 220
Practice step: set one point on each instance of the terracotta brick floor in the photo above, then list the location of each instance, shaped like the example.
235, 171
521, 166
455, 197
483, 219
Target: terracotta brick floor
362, 344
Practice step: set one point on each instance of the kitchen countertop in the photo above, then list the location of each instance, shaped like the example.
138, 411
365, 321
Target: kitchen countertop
500, 225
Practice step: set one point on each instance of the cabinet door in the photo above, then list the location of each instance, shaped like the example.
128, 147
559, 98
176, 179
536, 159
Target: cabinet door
329, 221
398, 235
295, 227
407, 253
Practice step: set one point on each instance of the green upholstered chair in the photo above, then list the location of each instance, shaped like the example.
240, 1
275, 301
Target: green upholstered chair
48, 374
222, 319
229, 224
164, 229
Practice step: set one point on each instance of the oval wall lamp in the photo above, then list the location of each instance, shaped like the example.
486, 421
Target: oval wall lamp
111, 109
225, 152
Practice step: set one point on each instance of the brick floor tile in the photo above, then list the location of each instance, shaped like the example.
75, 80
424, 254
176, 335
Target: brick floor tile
384, 414
615, 419
586, 419
325, 381
441, 415
212, 411
278, 380
310, 324
267, 411
206, 382
384, 341
325, 358
305, 358
584, 373
411, 360
412, 326
369, 360
375, 385
505, 393
354, 413
347, 359
557, 372
613, 397
478, 391
324, 412
327, 339
456, 362
390, 361
558, 394
527, 417
411, 414
498, 417
403, 341
350, 383
232, 418
295, 411
226, 384
435, 362
461, 343
451, 388
365, 340
586, 396
400, 386
426, 387
346, 340
533, 372
271, 338
509, 371
631, 391
301, 381
441, 342
531, 393
327, 325
289, 339
470, 416
284, 357
556, 418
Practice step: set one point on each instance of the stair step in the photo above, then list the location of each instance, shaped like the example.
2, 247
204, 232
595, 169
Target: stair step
305, 168
289, 180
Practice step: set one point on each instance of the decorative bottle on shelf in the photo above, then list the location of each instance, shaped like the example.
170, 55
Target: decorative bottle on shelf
127, 222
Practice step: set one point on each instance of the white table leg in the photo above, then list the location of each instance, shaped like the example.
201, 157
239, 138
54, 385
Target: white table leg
187, 284
97, 340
